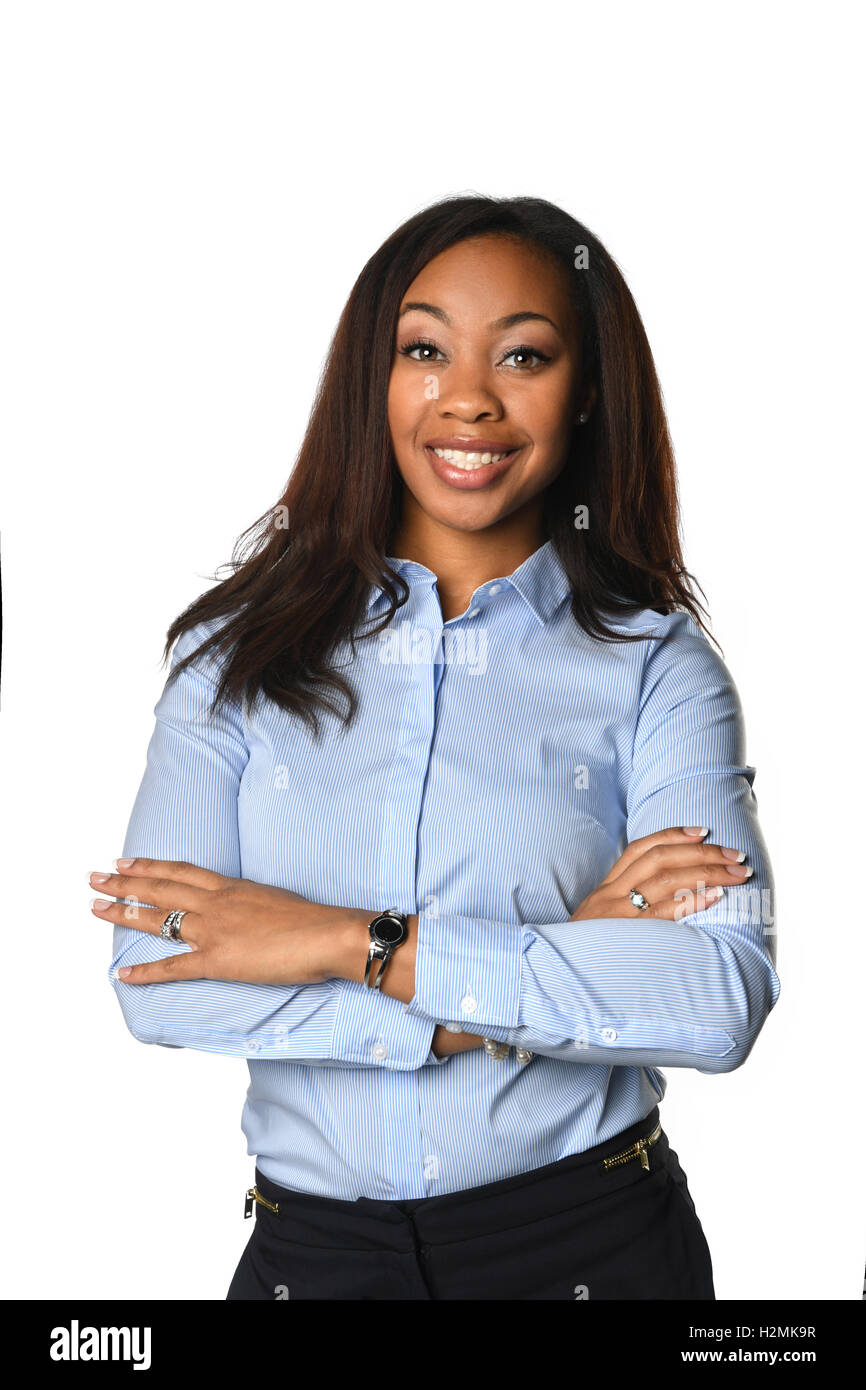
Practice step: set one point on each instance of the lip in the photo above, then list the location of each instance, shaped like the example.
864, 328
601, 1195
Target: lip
458, 478
472, 444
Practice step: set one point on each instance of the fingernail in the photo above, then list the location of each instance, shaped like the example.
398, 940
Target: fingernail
98, 878
100, 904
738, 854
696, 829
123, 863
124, 971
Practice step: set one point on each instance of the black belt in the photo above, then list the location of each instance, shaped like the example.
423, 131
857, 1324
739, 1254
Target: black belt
541, 1192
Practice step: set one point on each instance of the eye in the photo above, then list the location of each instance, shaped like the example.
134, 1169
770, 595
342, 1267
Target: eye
425, 343
526, 351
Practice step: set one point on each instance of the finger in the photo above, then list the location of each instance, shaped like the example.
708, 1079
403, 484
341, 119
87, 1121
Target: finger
668, 880
149, 919
186, 965
178, 870
160, 892
696, 902
673, 835
670, 858
673, 908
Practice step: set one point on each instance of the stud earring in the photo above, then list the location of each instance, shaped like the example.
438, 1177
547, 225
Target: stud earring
583, 417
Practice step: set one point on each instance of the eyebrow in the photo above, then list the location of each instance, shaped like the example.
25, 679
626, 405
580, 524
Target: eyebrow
508, 321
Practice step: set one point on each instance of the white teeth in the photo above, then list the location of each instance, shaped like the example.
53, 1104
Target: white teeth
467, 461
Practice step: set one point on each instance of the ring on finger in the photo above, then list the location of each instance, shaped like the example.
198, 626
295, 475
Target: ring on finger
638, 899
170, 928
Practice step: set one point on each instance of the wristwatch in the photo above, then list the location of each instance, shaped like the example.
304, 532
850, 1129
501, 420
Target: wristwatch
388, 930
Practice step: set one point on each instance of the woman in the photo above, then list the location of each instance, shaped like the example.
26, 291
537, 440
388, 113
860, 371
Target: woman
458, 690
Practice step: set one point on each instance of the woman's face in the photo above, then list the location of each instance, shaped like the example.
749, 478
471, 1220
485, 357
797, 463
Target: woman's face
486, 362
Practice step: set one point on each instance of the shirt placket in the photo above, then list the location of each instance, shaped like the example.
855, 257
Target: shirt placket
433, 1136
420, 630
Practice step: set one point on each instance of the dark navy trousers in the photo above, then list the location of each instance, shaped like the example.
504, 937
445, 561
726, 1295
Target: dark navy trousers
572, 1230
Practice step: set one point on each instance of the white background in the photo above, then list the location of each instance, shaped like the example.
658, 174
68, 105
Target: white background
190, 191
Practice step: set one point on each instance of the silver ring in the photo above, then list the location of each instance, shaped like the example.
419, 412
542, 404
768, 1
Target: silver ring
638, 899
170, 928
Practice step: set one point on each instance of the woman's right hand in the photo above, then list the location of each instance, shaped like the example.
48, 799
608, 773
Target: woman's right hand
445, 1043
671, 868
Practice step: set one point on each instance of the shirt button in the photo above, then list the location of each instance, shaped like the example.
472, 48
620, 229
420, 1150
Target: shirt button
380, 1051
468, 1004
494, 588
252, 1045
609, 1034
453, 1028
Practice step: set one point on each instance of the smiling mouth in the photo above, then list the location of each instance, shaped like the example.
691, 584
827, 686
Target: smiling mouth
468, 460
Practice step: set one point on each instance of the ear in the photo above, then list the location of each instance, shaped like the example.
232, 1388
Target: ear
586, 402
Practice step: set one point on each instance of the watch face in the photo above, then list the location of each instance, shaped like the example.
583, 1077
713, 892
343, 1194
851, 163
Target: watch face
389, 932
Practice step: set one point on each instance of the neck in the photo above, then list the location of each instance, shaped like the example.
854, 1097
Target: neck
463, 560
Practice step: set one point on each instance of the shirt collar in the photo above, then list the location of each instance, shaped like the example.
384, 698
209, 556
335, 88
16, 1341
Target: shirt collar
541, 580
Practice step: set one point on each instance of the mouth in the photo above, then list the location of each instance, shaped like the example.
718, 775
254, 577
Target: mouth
469, 463
470, 459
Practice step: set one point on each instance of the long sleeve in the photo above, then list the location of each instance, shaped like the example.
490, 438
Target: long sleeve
187, 809
636, 991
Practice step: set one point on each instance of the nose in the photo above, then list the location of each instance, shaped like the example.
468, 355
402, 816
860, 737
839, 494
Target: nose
469, 393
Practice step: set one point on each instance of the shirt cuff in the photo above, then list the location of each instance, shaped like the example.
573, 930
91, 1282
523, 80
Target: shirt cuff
434, 1061
373, 1029
468, 971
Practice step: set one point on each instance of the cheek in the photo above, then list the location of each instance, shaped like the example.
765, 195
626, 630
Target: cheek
555, 412
545, 411
406, 403
396, 400
394, 407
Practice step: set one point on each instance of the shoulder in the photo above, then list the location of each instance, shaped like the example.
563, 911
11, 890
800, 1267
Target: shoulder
671, 641
208, 663
685, 680
675, 624
679, 643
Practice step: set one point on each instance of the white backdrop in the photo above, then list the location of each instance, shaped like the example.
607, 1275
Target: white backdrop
191, 190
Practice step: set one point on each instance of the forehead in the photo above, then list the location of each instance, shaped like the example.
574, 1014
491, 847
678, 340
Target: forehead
488, 275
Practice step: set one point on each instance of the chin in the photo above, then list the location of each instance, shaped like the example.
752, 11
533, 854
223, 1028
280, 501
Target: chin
465, 512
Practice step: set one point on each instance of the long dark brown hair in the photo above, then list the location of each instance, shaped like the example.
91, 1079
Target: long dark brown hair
301, 572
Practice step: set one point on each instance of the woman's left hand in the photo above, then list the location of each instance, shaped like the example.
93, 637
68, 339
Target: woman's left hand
237, 929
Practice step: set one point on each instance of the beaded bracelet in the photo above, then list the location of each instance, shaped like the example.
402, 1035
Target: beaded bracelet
498, 1051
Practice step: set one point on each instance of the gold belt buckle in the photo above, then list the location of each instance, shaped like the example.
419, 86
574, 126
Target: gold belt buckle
253, 1195
636, 1150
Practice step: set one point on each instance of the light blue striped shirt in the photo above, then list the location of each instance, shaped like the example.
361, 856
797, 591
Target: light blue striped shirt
498, 766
